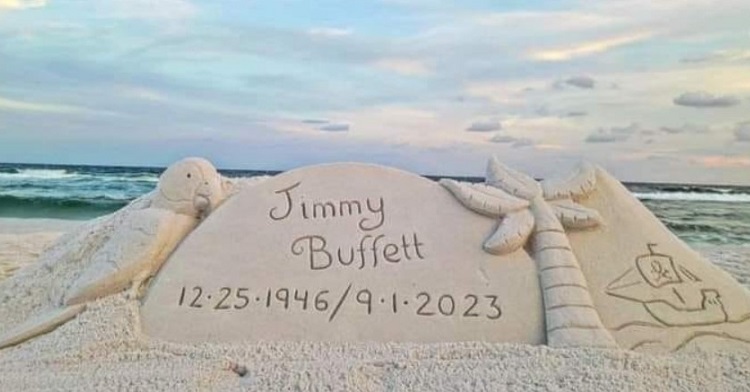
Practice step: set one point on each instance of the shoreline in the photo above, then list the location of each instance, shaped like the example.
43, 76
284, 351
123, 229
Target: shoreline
22, 241
37, 225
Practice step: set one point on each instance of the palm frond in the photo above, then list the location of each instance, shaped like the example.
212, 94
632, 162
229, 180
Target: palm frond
511, 233
484, 199
575, 216
578, 184
510, 180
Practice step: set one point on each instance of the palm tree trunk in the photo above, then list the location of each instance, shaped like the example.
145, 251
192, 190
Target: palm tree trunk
570, 315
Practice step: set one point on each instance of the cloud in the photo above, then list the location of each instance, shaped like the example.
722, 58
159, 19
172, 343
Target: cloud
485, 126
331, 32
626, 130
142, 93
721, 161
587, 48
601, 137
585, 82
742, 132
501, 139
315, 121
21, 4
407, 67
23, 106
201, 71
514, 142
335, 127
162, 10
613, 134
702, 99
720, 56
558, 21
522, 142
685, 128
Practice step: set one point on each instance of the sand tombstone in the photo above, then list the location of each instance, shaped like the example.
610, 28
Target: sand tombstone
344, 252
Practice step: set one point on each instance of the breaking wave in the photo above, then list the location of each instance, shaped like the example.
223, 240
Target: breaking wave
695, 196
697, 213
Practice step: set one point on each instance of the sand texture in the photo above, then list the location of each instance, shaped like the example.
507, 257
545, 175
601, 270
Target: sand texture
103, 349
23, 240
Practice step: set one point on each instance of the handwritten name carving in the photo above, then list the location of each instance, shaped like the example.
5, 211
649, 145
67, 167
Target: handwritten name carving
372, 249
373, 209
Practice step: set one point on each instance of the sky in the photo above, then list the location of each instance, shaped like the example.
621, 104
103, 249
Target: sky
650, 90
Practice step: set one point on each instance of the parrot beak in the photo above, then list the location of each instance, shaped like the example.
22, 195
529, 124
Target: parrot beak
202, 202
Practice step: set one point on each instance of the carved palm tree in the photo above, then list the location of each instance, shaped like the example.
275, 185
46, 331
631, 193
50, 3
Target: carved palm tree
544, 209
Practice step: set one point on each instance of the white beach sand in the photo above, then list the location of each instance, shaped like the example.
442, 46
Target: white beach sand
103, 350
23, 240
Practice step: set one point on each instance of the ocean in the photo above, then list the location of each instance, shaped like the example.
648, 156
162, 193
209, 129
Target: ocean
699, 214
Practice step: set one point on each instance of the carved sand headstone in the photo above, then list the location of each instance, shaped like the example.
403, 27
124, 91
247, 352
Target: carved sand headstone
344, 252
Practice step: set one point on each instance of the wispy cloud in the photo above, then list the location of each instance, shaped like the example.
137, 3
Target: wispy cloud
484, 126
142, 93
742, 132
575, 113
502, 139
335, 127
21, 4
549, 20
685, 129
402, 66
602, 137
582, 81
719, 161
24, 106
702, 99
613, 134
162, 10
515, 142
587, 48
315, 121
720, 56
329, 32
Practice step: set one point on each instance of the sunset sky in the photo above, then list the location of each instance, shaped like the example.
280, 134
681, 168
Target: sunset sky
651, 90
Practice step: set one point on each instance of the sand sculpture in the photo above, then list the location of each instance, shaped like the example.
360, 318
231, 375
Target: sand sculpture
651, 290
343, 252
544, 209
641, 285
356, 252
145, 234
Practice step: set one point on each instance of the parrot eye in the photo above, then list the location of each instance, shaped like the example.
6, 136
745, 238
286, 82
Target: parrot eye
189, 175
